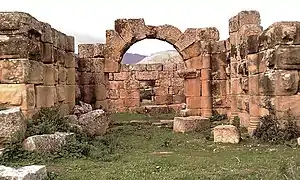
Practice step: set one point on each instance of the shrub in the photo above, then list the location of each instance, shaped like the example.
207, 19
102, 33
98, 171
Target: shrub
47, 121
272, 131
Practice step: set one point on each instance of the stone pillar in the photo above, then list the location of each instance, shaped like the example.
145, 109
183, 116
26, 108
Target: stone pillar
206, 96
192, 91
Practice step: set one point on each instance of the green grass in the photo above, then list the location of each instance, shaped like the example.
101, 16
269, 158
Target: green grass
194, 156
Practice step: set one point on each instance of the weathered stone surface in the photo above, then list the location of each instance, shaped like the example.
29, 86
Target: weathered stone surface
12, 125
18, 47
47, 142
82, 108
94, 123
21, 71
147, 75
33, 172
191, 123
168, 33
188, 73
131, 29
45, 96
287, 82
226, 134
21, 95
287, 57
280, 33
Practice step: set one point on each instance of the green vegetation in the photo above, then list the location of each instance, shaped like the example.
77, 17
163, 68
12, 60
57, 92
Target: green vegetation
142, 151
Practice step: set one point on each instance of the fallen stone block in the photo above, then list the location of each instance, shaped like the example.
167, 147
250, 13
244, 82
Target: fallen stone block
298, 140
82, 108
226, 134
94, 123
34, 172
191, 123
47, 142
12, 125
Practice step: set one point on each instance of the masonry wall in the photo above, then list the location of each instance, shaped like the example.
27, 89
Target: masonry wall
37, 64
124, 88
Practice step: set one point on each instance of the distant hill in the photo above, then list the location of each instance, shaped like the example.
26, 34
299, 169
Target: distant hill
164, 57
130, 58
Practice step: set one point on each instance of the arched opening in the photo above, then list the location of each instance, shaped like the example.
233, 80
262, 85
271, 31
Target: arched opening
149, 74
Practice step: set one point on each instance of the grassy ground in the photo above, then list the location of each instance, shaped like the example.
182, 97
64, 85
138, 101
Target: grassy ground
133, 153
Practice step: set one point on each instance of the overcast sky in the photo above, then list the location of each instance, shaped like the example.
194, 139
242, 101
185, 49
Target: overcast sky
87, 20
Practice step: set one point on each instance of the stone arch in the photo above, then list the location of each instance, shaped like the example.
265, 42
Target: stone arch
190, 43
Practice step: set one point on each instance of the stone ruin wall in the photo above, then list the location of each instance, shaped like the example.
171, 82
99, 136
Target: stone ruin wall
125, 87
233, 76
37, 64
265, 67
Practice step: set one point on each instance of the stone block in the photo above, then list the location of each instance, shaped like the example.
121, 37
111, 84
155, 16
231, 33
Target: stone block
12, 125
47, 142
62, 75
249, 17
88, 93
49, 75
116, 85
70, 60
86, 50
161, 91
86, 78
132, 102
194, 63
154, 67
111, 66
121, 76
186, 39
19, 47
169, 67
218, 67
244, 119
47, 53
287, 82
193, 102
161, 100
287, 57
206, 88
193, 50
280, 33
99, 50
21, 71
99, 78
97, 65
71, 76
168, 33
61, 93
219, 88
33, 172
192, 87
285, 103
147, 75
22, 95
113, 94
100, 92
191, 123
84, 64
45, 96
138, 67
226, 134
206, 102
131, 29
178, 99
